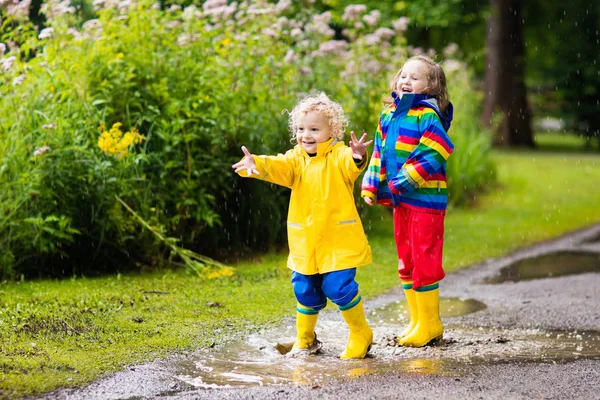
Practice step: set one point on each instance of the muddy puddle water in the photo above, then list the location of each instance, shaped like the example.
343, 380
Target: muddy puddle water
548, 266
259, 360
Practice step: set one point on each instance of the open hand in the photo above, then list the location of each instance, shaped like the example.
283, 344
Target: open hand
359, 146
368, 200
247, 163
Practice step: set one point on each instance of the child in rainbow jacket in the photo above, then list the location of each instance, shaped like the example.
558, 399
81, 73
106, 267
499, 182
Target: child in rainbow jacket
408, 172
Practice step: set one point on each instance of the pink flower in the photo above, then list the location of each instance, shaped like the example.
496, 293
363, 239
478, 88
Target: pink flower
7, 63
296, 33
450, 50
46, 33
372, 18
41, 151
18, 9
385, 34
19, 79
333, 46
283, 5
305, 70
401, 24
210, 4
353, 11
290, 57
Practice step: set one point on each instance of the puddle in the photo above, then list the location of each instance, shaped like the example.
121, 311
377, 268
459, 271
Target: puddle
449, 307
548, 266
593, 239
258, 361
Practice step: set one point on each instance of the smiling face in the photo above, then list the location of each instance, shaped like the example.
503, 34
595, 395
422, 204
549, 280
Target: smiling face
413, 78
313, 128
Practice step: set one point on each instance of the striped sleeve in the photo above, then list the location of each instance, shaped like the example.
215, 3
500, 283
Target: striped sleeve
430, 155
371, 179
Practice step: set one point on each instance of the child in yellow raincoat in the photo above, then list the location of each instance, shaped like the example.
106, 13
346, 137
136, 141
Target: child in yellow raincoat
326, 238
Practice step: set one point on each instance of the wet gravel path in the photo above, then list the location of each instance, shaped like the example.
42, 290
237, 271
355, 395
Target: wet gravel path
536, 338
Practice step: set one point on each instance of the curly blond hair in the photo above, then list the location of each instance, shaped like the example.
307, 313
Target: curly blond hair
319, 102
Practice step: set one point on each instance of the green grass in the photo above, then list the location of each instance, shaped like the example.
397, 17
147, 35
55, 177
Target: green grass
565, 143
67, 333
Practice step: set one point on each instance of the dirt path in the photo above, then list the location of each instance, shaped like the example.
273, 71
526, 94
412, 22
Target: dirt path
517, 339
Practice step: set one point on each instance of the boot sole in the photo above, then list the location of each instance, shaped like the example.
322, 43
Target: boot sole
314, 348
428, 343
358, 358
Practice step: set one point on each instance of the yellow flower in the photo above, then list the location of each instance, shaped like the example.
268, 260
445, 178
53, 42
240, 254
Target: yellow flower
116, 143
226, 271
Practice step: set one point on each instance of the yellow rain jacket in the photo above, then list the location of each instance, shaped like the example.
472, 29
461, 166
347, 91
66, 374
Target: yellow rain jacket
325, 233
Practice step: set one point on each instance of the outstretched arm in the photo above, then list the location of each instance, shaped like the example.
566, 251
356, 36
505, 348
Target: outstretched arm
359, 146
279, 169
247, 163
355, 157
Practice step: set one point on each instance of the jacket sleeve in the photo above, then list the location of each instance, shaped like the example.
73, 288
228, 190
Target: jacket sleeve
279, 169
430, 155
353, 168
371, 180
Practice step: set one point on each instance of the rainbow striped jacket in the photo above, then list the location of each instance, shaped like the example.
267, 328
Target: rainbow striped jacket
413, 171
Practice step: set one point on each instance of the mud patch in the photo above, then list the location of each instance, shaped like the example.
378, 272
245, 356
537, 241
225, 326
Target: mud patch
548, 266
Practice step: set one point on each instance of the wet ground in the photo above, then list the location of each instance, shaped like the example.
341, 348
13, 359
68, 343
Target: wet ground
523, 326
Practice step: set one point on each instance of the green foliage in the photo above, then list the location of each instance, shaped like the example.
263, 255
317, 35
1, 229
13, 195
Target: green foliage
197, 84
470, 167
563, 59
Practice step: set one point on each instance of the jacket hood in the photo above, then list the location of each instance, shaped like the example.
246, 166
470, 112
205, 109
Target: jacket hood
427, 101
322, 148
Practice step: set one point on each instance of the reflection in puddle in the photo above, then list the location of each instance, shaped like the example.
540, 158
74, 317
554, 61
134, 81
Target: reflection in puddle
449, 307
258, 360
549, 265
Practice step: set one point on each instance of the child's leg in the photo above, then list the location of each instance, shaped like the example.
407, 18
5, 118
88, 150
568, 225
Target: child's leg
411, 300
429, 325
426, 243
405, 263
427, 238
342, 289
311, 299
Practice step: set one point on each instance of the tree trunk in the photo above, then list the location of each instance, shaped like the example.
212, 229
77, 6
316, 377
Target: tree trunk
505, 91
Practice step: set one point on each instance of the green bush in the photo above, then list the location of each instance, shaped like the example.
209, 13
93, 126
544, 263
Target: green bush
197, 84
470, 167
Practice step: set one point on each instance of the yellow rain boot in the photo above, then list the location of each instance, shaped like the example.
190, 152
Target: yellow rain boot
411, 300
361, 335
429, 326
306, 338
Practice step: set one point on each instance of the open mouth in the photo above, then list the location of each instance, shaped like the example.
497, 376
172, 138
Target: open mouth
406, 90
307, 143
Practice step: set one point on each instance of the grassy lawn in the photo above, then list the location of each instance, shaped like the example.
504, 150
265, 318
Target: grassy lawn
67, 333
